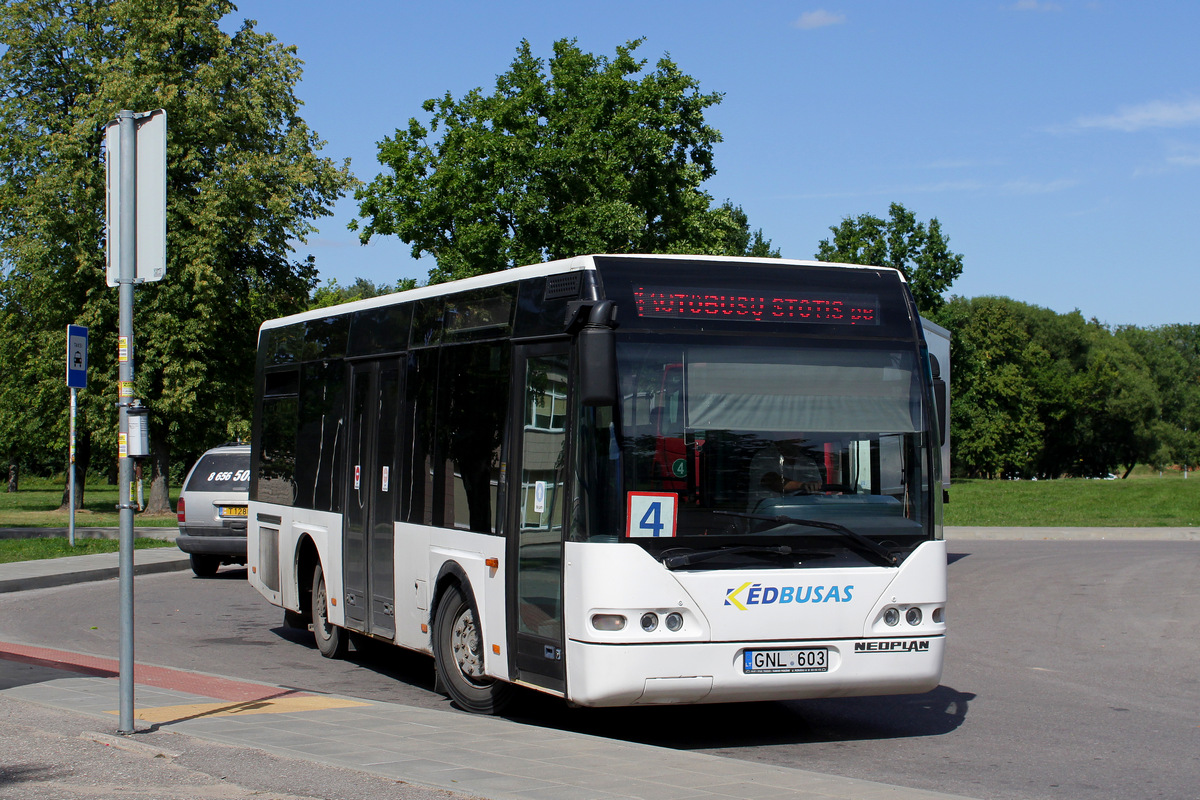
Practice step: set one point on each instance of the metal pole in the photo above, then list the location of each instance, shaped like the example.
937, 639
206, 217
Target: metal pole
127, 272
71, 478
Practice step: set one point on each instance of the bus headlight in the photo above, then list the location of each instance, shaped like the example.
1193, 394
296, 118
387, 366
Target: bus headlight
649, 621
913, 616
674, 621
891, 617
608, 622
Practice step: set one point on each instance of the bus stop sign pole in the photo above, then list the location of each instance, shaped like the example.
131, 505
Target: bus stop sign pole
132, 173
77, 338
127, 270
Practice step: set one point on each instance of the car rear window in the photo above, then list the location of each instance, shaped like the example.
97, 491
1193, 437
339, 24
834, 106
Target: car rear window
221, 472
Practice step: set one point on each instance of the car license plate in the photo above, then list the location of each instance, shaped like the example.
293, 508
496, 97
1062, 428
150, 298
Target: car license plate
805, 659
233, 511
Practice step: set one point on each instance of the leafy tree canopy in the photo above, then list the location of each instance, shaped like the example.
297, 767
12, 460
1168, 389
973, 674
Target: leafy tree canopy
332, 293
994, 424
582, 154
920, 251
244, 182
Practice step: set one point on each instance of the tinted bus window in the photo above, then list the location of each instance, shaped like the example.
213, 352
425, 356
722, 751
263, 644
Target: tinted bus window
380, 330
321, 427
276, 469
472, 409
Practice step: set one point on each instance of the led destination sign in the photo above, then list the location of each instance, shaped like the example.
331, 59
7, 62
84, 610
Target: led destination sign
822, 307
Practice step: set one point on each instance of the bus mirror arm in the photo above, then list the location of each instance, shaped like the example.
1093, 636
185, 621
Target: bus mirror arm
597, 351
939, 396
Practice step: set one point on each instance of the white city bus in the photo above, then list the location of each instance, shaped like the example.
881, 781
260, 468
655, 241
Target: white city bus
617, 479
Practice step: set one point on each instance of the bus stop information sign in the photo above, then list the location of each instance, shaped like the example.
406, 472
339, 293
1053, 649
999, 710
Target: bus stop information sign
77, 341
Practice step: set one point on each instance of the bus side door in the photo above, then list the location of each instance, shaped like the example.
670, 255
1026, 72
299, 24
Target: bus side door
538, 491
371, 488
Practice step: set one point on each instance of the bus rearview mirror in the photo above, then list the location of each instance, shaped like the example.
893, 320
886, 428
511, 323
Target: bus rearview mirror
597, 366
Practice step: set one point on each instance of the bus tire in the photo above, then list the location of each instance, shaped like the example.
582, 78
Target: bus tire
458, 655
331, 640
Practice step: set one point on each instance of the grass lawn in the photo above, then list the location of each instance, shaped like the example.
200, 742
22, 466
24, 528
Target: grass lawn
36, 505
54, 547
1144, 499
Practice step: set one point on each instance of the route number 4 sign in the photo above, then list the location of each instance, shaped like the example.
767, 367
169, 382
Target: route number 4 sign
651, 514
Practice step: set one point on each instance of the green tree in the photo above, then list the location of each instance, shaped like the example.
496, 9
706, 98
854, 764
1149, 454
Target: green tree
584, 154
994, 424
332, 293
244, 181
1119, 408
1067, 339
920, 251
1172, 356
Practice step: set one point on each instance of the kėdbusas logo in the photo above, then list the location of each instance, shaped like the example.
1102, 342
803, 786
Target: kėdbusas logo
755, 594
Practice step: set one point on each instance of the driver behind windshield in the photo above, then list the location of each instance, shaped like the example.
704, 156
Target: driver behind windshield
782, 468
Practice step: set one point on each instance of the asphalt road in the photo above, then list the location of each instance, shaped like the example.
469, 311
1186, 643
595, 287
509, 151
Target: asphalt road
1073, 671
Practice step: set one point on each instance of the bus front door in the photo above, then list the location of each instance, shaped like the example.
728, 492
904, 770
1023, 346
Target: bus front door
538, 491
368, 529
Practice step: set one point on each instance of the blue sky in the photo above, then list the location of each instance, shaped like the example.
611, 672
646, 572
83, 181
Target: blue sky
1058, 142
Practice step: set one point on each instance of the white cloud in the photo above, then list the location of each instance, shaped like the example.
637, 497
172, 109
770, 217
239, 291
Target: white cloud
1179, 156
1035, 5
1155, 114
1184, 160
820, 18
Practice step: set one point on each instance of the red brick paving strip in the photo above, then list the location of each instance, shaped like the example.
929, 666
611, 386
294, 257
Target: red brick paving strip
161, 677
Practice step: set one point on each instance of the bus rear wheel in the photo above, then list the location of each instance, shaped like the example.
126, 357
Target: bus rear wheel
331, 640
458, 653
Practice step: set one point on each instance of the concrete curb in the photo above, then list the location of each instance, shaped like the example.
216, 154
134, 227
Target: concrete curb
45, 573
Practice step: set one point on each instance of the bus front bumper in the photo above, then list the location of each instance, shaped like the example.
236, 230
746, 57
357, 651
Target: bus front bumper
663, 674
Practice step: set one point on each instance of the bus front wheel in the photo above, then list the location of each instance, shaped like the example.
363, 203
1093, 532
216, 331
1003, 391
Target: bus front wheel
458, 653
331, 640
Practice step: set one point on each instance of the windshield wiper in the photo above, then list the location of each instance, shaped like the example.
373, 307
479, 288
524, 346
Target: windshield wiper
687, 559
864, 543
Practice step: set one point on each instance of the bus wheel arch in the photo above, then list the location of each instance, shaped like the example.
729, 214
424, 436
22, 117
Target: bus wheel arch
306, 560
458, 648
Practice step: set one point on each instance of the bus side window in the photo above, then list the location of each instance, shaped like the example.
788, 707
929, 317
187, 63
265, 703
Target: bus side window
275, 473
473, 387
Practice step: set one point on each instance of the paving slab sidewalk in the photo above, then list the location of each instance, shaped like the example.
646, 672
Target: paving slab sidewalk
486, 757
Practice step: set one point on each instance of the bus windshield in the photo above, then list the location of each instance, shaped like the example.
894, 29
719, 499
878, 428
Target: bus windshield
776, 442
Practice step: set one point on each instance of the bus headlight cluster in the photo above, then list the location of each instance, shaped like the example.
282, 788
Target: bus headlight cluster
649, 622
608, 622
913, 615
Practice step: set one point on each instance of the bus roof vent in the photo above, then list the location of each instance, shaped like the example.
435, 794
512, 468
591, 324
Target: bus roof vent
565, 285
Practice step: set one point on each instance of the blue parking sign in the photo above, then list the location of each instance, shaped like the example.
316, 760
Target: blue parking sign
77, 337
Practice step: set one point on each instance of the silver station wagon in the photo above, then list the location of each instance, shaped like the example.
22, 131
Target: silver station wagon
212, 509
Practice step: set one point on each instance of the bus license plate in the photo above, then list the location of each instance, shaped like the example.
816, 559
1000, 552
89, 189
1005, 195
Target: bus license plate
808, 659
233, 511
